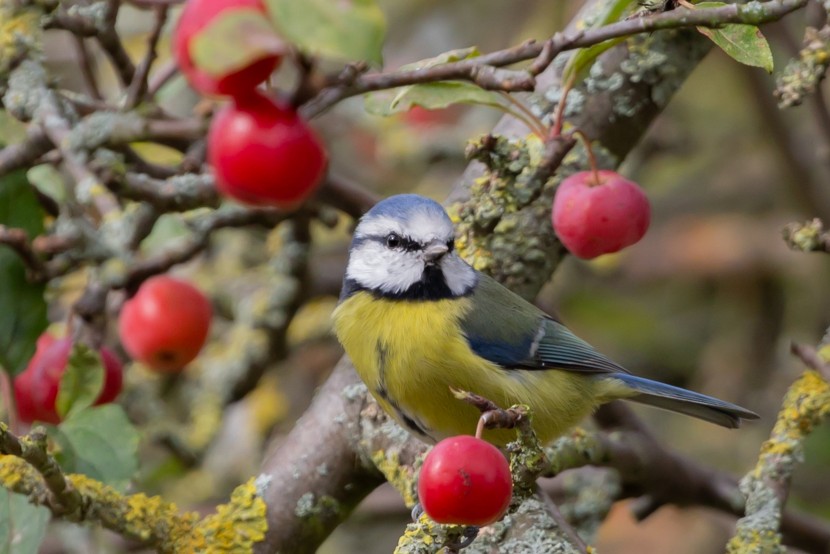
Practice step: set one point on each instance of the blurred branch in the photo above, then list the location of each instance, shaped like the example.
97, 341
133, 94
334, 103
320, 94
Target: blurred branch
187, 248
176, 194
658, 476
87, 70
56, 126
18, 240
138, 86
24, 154
483, 70
347, 196
111, 44
807, 186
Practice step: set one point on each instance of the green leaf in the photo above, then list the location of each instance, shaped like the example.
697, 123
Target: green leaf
234, 40
99, 442
432, 96
23, 313
457, 55
48, 180
584, 57
22, 524
11, 130
82, 381
342, 29
743, 43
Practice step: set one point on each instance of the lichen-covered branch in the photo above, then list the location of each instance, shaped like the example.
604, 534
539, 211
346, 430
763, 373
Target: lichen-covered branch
27, 468
802, 76
807, 237
806, 404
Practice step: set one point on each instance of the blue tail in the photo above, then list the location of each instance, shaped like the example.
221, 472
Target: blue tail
685, 401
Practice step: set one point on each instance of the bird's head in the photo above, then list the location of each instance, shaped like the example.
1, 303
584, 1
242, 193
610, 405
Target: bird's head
404, 247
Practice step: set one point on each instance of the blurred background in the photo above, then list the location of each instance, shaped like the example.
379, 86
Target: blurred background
709, 300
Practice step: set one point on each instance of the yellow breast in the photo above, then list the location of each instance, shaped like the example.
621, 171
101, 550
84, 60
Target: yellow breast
409, 354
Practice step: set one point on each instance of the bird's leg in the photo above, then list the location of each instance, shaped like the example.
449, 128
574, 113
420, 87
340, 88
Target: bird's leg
417, 511
467, 537
492, 416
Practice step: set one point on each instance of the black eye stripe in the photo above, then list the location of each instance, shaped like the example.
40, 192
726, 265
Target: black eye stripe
400, 242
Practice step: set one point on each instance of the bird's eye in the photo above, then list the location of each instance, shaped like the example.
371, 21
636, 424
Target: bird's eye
393, 240
450, 245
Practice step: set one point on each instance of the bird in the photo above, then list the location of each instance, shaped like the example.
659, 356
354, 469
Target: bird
417, 321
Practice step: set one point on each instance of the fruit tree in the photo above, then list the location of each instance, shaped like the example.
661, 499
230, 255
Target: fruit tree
179, 183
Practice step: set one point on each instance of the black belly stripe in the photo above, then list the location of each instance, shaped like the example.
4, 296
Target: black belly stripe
383, 392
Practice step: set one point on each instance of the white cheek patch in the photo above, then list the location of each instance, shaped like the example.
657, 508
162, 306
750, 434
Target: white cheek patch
376, 267
459, 276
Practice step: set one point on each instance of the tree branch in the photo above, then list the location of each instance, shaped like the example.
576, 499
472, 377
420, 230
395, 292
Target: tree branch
806, 405
480, 70
138, 86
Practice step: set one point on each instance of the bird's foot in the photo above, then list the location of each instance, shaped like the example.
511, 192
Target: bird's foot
466, 539
417, 510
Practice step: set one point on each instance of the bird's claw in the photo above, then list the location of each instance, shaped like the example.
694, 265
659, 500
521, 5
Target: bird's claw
467, 537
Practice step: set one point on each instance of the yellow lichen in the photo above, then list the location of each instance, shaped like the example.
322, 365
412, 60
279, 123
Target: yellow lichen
19, 32
236, 526
399, 476
17, 475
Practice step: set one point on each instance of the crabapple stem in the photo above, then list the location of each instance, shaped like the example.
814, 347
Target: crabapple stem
559, 115
529, 118
592, 160
480, 426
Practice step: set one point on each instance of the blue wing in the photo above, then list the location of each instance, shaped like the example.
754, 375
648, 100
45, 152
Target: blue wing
512, 333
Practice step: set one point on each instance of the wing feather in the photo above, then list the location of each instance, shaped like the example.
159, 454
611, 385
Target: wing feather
508, 331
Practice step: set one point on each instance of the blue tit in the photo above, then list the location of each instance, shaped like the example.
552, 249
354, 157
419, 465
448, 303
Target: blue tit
416, 320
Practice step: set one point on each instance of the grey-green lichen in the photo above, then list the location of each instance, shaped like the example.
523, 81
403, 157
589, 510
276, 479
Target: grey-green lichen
592, 493
104, 127
802, 75
25, 91
504, 228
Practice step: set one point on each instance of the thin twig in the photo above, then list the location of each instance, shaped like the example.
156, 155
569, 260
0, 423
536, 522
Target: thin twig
18, 240
347, 196
138, 86
811, 359
161, 77
111, 43
87, 70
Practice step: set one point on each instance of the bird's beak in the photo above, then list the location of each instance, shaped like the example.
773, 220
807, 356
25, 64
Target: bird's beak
434, 251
